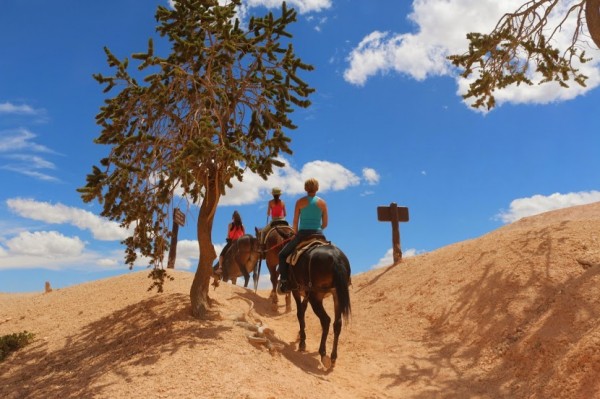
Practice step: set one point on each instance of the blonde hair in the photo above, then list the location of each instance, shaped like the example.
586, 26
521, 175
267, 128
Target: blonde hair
311, 185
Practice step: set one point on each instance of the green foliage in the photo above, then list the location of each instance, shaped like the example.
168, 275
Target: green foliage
159, 276
12, 342
217, 105
504, 57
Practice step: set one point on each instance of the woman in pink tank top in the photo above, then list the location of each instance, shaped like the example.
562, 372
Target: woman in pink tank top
235, 230
276, 208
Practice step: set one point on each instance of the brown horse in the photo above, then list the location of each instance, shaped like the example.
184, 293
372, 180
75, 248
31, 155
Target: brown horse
275, 239
319, 272
240, 259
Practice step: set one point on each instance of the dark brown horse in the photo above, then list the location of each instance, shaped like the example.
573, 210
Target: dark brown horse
275, 239
322, 271
240, 259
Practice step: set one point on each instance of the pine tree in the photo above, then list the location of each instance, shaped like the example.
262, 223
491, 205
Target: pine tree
523, 39
219, 104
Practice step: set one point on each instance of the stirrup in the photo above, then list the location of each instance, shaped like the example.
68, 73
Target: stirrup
282, 288
286, 286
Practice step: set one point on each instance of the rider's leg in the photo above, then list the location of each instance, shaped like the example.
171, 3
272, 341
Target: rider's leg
283, 265
220, 268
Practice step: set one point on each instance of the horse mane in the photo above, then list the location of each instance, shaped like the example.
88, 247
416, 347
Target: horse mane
284, 231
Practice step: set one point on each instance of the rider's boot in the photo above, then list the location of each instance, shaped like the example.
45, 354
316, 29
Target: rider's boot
219, 270
285, 286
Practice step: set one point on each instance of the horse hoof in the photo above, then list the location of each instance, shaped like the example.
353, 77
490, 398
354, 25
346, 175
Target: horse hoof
326, 361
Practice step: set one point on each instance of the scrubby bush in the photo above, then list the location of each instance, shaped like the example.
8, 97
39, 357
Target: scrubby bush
11, 342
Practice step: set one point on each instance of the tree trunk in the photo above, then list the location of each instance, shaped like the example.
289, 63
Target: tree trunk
592, 17
200, 285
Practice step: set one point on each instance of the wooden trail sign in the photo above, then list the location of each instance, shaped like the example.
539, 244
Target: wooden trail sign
394, 214
178, 220
178, 217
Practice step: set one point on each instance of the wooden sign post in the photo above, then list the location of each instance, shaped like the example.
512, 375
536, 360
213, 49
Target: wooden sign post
394, 214
178, 220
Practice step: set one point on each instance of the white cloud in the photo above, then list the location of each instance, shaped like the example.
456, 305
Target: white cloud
183, 263
9, 108
18, 144
188, 249
522, 207
102, 229
331, 176
388, 258
371, 176
442, 26
30, 165
45, 244
382, 52
20, 140
320, 23
25, 170
83, 261
34, 161
107, 263
188, 254
303, 6
409, 253
54, 251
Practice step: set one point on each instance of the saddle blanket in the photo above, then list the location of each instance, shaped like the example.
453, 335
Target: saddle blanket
303, 247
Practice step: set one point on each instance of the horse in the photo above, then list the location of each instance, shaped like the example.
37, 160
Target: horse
319, 272
274, 241
240, 260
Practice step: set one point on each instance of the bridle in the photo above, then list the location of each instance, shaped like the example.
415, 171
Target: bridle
286, 239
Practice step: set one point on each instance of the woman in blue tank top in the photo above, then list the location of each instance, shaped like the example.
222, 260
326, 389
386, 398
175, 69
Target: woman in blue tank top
310, 217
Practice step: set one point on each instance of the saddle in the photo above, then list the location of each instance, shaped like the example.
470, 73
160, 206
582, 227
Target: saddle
312, 241
279, 222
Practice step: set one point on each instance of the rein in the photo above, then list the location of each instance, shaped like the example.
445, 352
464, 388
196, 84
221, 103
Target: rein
279, 244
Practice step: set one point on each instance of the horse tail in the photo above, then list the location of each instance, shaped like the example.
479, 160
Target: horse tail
341, 282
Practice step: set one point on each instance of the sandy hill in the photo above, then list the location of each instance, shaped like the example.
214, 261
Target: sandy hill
512, 314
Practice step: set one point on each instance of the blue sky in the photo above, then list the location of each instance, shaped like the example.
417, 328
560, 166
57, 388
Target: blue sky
387, 124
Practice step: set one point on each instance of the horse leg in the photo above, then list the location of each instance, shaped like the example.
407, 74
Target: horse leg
255, 278
300, 312
246, 276
273, 278
288, 303
317, 304
337, 329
